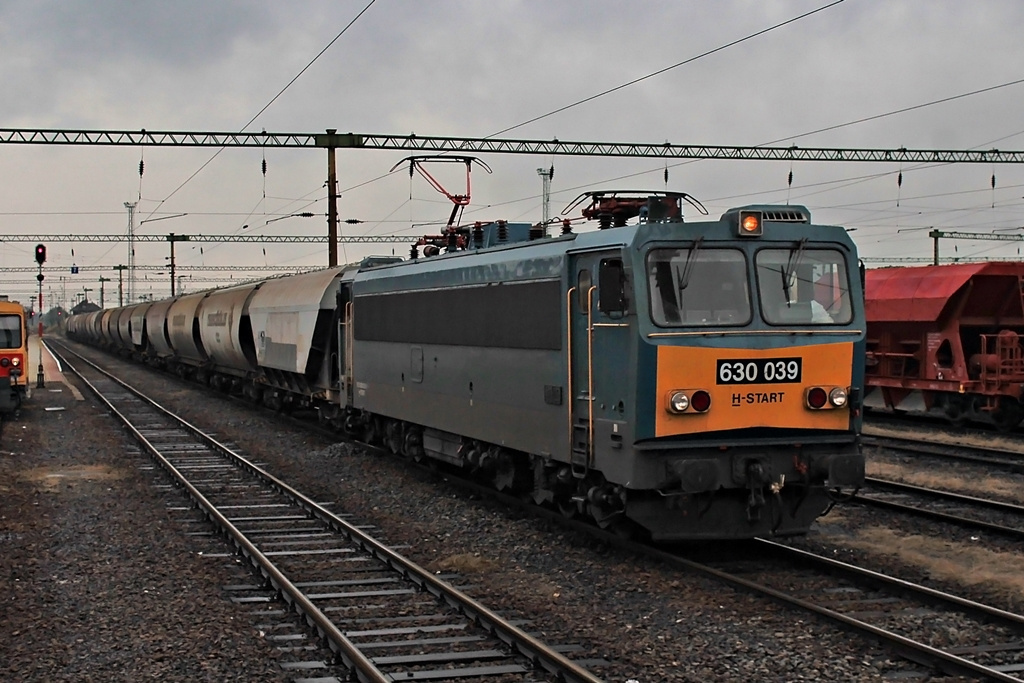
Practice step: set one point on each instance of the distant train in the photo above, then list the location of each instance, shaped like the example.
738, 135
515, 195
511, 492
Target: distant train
948, 339
691, 380
13, 356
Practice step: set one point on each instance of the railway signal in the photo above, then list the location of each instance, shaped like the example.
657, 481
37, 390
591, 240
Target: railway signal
40, 259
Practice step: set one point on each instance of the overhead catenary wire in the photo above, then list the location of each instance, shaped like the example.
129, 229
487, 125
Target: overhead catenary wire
668, 68
268, 104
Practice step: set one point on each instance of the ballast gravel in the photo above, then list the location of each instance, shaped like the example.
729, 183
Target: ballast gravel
100, 582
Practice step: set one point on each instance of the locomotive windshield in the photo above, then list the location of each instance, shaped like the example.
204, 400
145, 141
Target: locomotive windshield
698, 286
803, 286
10, 331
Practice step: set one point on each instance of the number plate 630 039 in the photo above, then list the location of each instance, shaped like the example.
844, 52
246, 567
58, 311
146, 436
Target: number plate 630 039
758, 371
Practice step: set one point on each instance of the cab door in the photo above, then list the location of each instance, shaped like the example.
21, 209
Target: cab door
599, 352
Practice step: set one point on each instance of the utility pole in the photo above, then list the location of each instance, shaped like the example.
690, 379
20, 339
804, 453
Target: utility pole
131, 249
172, 238
120, 284
102, 280
332, 203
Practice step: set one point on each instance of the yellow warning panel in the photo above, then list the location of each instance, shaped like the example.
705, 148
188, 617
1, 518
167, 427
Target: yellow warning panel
752, 387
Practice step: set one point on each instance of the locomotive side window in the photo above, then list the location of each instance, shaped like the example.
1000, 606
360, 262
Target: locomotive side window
611, 289
803, 287
698, 287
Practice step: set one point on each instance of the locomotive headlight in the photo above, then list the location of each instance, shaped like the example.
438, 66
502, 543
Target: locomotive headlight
678, 402
15, 362
837, 397
4, 362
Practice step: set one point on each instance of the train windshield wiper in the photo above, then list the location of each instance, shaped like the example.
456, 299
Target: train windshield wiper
795, 258
683, 279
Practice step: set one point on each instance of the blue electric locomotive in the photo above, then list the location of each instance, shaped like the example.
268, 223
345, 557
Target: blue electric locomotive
695, 380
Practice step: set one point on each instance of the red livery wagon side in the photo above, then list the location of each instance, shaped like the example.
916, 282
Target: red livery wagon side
951, 333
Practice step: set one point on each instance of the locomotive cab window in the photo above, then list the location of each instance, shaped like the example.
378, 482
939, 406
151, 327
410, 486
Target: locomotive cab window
698, 286
10, 332
803, 287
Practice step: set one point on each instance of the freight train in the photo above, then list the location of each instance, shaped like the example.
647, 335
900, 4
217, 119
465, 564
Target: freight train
685, 380
947, 339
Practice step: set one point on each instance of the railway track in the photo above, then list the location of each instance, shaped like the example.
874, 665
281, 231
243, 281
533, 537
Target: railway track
1005, 519
382, 617
1006, 459
932, 629
937, 630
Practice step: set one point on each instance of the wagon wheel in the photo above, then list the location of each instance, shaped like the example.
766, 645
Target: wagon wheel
955, 410
1008, 415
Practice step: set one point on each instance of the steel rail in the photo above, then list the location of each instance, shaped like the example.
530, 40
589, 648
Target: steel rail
910, 649
1008, 531
352, 657
1012, 460
523, 643
1009, 508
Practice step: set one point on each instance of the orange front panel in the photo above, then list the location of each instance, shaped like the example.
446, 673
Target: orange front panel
735, 406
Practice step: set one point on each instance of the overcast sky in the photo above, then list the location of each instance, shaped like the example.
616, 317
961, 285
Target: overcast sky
473, 68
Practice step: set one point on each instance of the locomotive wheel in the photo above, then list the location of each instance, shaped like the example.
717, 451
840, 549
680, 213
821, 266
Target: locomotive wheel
393, 436
569, 508
372, 431
504, 474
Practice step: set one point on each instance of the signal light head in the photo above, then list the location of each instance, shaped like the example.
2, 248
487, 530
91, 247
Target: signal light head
750, 224
40, 254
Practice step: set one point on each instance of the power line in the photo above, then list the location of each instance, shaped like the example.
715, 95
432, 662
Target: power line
272, 100
900, 111
667, 68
